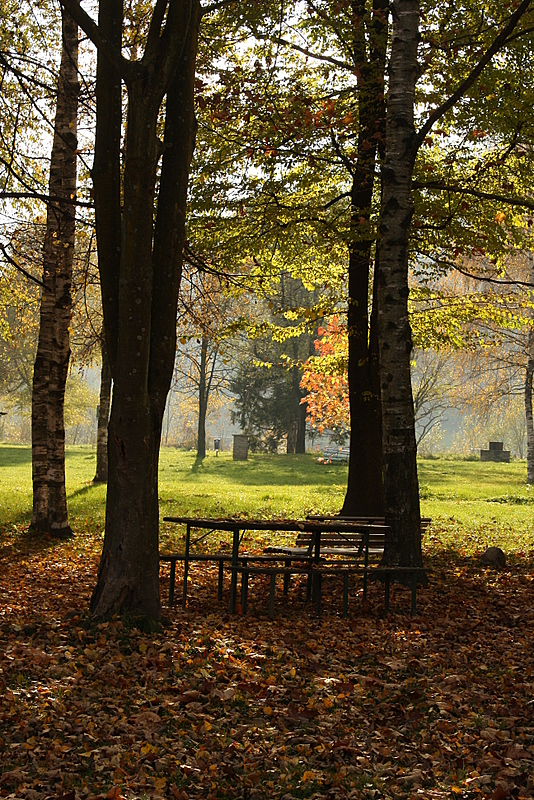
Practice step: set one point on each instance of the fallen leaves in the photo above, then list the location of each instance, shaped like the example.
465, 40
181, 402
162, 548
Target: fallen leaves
222, 706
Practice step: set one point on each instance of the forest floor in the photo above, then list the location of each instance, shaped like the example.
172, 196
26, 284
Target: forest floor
215, 705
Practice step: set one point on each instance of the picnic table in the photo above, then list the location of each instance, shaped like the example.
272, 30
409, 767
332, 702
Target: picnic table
342, 538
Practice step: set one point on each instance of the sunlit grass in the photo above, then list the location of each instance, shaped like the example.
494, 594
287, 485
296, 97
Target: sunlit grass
472, 504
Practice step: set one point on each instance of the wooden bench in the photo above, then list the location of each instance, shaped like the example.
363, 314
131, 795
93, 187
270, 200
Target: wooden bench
335, 455
364, 540
216, 558
317, 572
342, 555
225, 558
363, 520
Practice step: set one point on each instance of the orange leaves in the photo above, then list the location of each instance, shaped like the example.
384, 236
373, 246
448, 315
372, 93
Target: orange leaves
325, 379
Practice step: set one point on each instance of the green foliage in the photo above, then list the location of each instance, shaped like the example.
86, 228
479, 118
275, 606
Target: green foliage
267, 395
80, 401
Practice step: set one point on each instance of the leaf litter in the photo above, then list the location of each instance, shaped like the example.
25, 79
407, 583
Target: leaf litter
229, 706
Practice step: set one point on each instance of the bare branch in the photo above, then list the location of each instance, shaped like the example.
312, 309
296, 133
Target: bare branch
19, 268
216, 7
304, 50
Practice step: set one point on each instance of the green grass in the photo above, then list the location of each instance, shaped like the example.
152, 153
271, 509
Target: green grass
472, 504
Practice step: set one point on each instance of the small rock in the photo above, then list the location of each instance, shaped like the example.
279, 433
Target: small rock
493, 557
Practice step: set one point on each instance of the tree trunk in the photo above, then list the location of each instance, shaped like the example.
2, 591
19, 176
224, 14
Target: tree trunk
101, 475
202, 401
300, 444
53, 349
401, 492
143, 335
364, 485
296, 434
528, 409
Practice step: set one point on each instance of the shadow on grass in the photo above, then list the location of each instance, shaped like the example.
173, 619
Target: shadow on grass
449, 558
84, 490
13, 456
281, 470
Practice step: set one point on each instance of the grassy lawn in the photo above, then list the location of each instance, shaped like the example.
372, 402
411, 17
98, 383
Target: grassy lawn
472, 504
220, 706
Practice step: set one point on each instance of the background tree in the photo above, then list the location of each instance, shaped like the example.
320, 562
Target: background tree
205, 312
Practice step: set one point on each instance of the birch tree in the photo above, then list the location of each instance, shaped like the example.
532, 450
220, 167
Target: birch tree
53, 349
401, 496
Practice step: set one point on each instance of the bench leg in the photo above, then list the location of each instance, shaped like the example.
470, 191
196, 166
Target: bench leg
287, 577
172, 579
309, 582
220, 582
345, 594
186, 564
386, 591
244, 582
414, 593
233, 581
272, 588
244, 591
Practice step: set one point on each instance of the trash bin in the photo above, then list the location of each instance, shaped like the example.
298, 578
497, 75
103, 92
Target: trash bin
216, 446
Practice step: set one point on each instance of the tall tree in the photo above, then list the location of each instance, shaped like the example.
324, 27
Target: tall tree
364, 487
140, 223
401, 496
53, 349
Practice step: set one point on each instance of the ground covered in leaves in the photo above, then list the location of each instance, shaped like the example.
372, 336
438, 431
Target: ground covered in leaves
219, 706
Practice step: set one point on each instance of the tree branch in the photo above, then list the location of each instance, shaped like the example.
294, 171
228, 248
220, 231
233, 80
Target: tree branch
498, 42
304, 50
152, 41
522, 202
487, 279
19, 268
215, 7
46, 198
89, 26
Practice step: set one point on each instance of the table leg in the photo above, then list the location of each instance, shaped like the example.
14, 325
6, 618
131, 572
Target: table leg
386, 591
233, 581
244, 585
244, 591
366, 564
317, 591
317, 575
287, 565
317, 553
186, 563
